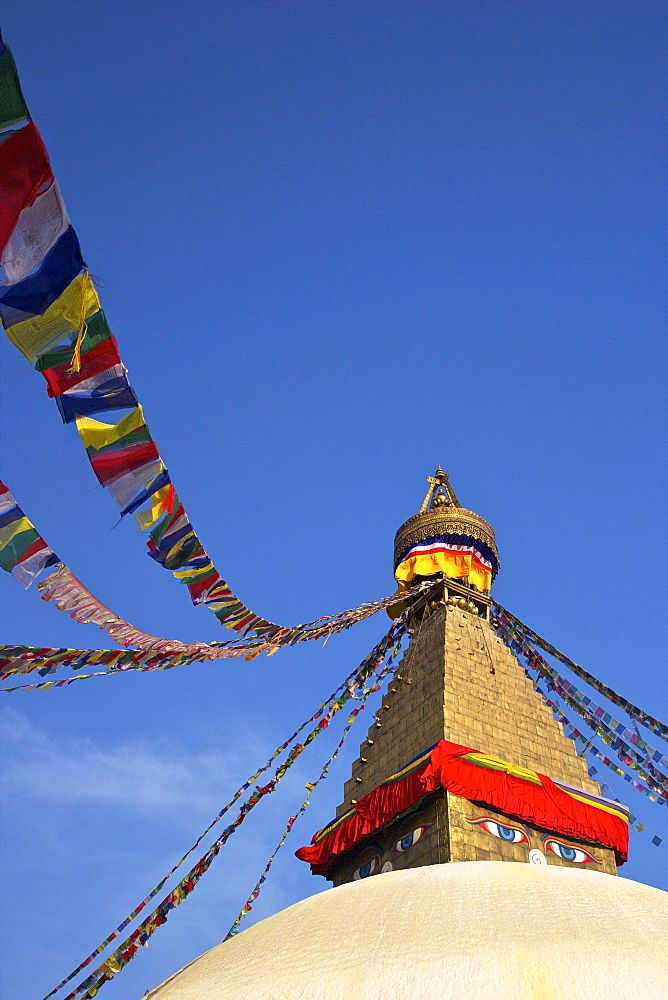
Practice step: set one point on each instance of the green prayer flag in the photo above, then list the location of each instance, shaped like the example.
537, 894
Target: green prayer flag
182, 555
16, 547
13, 107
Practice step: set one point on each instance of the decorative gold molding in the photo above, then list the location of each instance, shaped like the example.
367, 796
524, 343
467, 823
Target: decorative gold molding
443, 520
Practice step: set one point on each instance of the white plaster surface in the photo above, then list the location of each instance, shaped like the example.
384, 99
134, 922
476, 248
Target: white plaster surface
477, 930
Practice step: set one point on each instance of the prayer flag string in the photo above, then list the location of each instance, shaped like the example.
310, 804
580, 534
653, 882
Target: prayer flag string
509, 621
592, 750
628, 744
51, 312
353, 687
24, 553
656, 793
311, 787
246, 785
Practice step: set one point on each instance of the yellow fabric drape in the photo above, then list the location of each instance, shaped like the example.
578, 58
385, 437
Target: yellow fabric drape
35, 336
456, 565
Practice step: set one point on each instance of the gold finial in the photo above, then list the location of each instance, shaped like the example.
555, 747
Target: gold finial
440, 492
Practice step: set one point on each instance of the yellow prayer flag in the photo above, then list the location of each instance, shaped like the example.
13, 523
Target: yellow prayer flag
96, 434
37, 335
15, 528
183, 574
147, 518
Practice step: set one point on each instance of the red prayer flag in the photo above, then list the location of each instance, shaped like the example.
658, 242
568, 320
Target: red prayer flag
202, 586
25, 172
109, 465
104, 355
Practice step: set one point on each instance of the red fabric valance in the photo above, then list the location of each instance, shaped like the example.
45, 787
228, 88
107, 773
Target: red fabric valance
537, 799
477, 777
375, 810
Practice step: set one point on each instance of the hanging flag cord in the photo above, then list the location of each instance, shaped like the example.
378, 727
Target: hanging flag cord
640, 757
153, 653
311, 787
376, 664
514, 627
627, 743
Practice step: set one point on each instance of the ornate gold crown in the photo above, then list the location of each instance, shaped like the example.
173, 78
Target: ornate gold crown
442, 514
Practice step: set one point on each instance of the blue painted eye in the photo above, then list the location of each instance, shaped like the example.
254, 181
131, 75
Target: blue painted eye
511, 834
405, 843
507, 833
576, 855
368, 868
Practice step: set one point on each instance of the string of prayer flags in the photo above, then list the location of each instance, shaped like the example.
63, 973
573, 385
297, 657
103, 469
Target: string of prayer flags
110, 390
116, 449
23, 551
237, 795
51, 313
514, 626
311, 787
641, 757
160, 492
68, 594
619, 748
153, 653
599, 720
351, 688
33, 296
65, 681
19, 540
579, 737
21, 660
607, 727
98, 355
593, 750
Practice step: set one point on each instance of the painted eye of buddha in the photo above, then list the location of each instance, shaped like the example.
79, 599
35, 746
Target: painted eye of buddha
368, 868
405, 843
576, 855
511, 834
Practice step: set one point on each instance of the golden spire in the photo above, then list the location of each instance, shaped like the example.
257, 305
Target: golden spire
443, 521
440, 492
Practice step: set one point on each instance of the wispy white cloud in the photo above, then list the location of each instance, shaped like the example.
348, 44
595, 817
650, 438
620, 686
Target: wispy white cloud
130, 773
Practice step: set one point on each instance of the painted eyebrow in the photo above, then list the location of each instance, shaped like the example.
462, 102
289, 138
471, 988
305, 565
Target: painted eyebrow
374, 848
554, 836
414, 824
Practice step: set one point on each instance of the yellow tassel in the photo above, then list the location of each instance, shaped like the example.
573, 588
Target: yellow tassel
81, 332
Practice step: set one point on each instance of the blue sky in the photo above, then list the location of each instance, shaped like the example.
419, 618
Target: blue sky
340, 243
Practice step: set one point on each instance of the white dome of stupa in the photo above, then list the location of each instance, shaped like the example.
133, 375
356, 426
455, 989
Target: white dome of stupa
476, 930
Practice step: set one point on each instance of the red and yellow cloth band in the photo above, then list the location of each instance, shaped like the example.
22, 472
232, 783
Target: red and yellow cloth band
472, 775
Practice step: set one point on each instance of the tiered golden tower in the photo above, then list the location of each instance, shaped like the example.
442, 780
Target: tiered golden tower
458, 682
